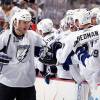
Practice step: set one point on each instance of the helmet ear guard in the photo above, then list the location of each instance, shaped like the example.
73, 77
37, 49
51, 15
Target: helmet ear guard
98, 18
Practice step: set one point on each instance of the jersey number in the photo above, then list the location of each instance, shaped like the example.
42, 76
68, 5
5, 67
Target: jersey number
95, 53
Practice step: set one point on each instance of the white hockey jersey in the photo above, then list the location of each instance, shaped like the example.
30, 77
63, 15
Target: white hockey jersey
93, 62
20, 72
83, 36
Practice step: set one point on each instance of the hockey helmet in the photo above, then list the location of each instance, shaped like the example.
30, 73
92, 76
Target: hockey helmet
45, 25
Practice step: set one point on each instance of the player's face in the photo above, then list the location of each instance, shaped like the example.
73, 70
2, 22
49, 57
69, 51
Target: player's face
76, 23
39, 32
93, 21
72, 27
22, 27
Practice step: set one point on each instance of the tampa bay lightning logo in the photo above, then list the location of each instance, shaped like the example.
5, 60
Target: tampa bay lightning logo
22, 51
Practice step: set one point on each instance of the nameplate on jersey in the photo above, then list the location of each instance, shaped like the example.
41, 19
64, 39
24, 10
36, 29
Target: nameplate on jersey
85, 37
49, 39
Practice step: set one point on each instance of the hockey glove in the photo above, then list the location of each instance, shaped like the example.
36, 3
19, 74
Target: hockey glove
4, 58
55, 46
51, 73
47, 56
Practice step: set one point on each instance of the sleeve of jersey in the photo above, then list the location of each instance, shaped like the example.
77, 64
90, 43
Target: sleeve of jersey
68, 61
82, 55
64, 53
39, 41
64, 56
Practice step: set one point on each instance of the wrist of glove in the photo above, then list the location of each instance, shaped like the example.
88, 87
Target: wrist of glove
4, 58
48, 77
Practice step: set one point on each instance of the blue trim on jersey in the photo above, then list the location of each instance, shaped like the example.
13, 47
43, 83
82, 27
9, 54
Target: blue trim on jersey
68, 61
82, 55
79, 51
83, 58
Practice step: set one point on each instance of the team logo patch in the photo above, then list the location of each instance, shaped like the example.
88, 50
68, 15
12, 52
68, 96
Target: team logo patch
22, 51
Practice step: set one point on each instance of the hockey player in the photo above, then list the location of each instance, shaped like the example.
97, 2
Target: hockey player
48, 55
69, 22
67, 25
85, 34
50, 40
74, 67
94, 13
17, 59
91, 62
63, 25
82, 36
